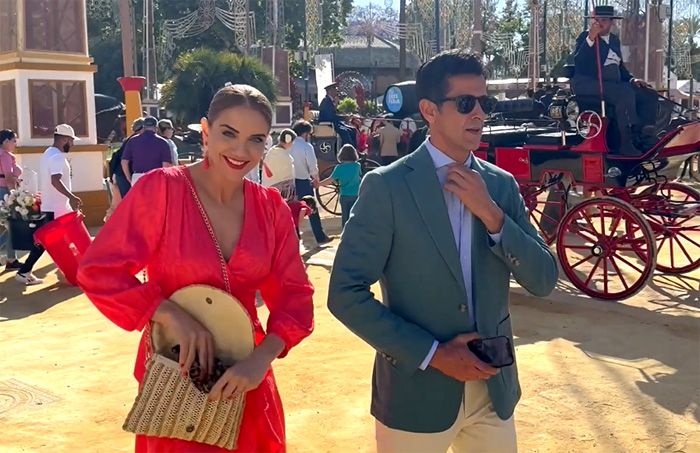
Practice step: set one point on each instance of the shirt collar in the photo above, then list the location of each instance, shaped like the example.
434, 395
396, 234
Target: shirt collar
441, 159
606, 38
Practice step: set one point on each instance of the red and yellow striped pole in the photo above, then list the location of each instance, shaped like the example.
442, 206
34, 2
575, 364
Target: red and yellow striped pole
132, 98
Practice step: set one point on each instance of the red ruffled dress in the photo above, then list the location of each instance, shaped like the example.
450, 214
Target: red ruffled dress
159, 227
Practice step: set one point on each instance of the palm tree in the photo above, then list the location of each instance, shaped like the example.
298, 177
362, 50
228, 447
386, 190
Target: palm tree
199, 74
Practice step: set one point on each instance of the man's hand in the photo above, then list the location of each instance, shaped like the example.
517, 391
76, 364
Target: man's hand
640, 83
75, 202
455, 360
594, 31
468, 186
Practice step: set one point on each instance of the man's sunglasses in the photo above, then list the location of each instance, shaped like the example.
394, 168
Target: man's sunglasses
466, 103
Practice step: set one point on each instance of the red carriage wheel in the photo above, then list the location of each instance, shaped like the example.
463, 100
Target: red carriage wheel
546, 208
606, 248
676, 226
329, 196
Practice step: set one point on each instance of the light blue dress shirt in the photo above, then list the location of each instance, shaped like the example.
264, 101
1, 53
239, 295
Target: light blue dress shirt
461, 220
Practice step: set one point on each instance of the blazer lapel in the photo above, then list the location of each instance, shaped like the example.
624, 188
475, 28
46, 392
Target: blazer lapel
427, 194
479, 234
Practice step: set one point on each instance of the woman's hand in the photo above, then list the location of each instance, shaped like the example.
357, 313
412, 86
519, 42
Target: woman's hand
247, 374
242, 377
194, 339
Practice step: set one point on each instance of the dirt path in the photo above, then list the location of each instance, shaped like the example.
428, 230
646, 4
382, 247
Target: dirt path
596, 377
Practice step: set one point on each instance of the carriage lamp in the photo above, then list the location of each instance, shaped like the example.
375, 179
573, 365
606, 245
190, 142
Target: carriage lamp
564, 111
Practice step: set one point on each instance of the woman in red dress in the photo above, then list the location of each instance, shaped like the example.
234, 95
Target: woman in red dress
189, 225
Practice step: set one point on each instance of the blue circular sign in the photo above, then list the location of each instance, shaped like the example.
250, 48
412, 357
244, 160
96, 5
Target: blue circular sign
393, 99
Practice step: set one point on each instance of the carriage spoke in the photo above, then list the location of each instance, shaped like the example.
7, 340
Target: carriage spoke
582, 261
595, 267
621, 258
688, 239
617, 269
683, 249
578, 247
615, 223
605, 275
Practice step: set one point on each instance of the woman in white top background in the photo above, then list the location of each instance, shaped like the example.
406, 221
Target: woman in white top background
278, 166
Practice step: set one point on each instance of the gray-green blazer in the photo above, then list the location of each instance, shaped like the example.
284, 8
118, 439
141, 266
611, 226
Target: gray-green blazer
399, 233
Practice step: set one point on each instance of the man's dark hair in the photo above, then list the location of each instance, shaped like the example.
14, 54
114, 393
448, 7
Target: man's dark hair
432, 76
302, 127
6, 134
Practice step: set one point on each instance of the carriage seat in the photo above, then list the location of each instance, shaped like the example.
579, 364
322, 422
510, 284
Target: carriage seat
554, 139
324, 130
504, 136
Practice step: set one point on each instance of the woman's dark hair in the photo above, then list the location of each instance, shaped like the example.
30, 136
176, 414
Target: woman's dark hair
6, 134
302, 127
237, 96
432, 77
348, 153
287, 136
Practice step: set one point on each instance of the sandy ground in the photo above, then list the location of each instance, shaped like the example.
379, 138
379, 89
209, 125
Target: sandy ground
596, 376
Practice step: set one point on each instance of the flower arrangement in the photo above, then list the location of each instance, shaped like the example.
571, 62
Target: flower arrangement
20, 204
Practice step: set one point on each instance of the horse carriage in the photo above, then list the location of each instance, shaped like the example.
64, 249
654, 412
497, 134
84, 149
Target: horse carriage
560, 147
327, 143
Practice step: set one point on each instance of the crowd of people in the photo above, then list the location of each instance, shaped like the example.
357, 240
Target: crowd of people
55, 186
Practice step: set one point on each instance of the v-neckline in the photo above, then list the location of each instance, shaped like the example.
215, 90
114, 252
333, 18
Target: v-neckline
204, 216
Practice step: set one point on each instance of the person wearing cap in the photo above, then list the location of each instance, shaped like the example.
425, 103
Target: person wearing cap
146, 152
116, 172
327, 114
627, 95
56, 187
166, 130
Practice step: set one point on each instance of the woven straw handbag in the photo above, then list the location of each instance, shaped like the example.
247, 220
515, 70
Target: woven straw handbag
168, 405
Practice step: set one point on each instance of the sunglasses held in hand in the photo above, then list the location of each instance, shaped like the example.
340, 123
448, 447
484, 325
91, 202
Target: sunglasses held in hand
466, 103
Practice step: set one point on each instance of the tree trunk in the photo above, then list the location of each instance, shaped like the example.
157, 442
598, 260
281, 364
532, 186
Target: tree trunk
127, 38
403, 31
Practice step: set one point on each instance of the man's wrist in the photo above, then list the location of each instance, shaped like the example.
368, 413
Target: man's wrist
493, 219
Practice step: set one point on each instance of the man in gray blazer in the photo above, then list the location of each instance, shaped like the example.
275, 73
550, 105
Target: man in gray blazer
443, 231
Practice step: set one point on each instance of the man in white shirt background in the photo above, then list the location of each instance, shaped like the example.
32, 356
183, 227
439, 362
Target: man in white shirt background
57, 197
306, 171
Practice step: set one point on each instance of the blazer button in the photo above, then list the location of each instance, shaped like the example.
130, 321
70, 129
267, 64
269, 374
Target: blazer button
463, 308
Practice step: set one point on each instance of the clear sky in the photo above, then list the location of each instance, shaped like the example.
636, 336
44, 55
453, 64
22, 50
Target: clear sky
395, 3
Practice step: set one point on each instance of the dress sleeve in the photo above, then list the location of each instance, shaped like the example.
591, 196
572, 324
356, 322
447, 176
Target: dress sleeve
287, 291
124, 246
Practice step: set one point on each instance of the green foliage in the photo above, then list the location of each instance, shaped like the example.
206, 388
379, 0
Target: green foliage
198, 74
370, 109
347, 105
104, 34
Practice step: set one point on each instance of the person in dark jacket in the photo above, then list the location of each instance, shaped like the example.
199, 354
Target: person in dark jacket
328, 114
633, 102
116, 173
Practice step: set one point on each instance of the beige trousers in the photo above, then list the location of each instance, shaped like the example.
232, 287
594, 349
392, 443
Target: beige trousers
135, 177
477, 429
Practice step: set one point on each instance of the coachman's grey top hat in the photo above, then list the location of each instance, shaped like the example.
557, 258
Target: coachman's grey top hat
605, 12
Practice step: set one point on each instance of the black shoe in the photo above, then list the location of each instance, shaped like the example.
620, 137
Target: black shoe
324, 241
14, 266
